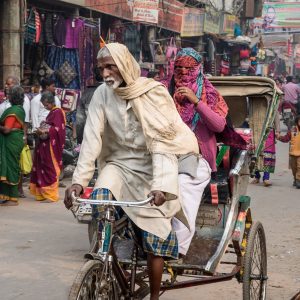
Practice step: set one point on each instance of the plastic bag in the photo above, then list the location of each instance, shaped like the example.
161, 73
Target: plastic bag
26, 160
171, 50
160, 57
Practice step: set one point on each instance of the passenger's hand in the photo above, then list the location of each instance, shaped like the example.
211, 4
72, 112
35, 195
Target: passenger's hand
159, 198
277, 135
189, 94
76, 189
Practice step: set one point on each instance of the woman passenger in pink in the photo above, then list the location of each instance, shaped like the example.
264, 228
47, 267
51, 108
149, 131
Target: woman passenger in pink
199, 104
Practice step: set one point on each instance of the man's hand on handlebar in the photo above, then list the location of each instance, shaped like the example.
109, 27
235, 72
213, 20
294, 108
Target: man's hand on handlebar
159, 198
76, 189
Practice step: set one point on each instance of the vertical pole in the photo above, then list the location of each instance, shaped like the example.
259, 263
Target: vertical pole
10, 53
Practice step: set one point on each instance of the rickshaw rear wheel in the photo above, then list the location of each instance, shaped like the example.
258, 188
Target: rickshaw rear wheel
255, 264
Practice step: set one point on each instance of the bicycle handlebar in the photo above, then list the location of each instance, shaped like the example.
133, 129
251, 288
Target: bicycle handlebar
138, 204
111, 202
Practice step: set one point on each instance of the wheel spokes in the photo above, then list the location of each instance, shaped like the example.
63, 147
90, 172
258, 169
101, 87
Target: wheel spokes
256, 276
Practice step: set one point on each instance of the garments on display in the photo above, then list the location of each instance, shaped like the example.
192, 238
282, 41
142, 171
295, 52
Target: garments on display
38, 26
56, 57
45, 71
59, 30
47, 29
73, 27
30, 28
88, 39
66, 73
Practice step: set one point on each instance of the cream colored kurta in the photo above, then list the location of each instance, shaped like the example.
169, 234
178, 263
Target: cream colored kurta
128, 170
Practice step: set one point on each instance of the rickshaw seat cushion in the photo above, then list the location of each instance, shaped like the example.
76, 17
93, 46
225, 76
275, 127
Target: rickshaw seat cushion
217, 191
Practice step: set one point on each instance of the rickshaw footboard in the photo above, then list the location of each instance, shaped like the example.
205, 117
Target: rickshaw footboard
203, 280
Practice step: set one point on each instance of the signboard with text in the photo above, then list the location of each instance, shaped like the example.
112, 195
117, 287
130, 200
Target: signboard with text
145, 11
170, 15
228, 24
117, 8
281, 14
212, 22
192, 22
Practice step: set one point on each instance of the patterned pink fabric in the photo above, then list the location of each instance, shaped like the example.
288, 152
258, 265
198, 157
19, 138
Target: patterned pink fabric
209, 116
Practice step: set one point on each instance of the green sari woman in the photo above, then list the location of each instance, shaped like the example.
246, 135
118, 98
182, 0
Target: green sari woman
11, 145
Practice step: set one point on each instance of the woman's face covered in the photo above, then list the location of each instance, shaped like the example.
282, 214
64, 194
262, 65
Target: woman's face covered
186, 72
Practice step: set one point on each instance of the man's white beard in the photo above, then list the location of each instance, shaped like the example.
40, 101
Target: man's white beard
116, 82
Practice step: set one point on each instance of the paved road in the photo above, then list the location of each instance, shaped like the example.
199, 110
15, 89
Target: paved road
41, 246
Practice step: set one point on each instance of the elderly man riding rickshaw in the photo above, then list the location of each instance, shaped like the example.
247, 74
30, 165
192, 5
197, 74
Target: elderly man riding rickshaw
149, 145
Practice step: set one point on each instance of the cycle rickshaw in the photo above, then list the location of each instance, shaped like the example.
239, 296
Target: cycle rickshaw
225, 232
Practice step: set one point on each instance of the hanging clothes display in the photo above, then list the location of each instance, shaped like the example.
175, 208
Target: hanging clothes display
68, 59
60, 47
73, 27
59, 30
47, 29
30, 28
87, 53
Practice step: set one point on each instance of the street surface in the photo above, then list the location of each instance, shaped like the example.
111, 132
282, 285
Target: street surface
42, 245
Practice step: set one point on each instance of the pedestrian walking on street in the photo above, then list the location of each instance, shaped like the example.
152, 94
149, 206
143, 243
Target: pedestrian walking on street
47, 163
293, 136
291, 93
267, 162
10, 82
11, 145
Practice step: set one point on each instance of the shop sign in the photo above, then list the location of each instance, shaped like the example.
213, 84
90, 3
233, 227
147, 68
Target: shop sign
169, 11
192, 22
145, 11
212, 22
170, 15
281, 14
228, 24
116, 8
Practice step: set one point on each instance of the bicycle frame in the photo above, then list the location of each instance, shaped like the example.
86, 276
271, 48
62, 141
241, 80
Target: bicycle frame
106, 253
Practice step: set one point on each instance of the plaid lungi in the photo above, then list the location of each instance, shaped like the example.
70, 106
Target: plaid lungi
151, 243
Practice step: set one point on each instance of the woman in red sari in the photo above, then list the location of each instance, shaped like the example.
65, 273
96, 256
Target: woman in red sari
47, 162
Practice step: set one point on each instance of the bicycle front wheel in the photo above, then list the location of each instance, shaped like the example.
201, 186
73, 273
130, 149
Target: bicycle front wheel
92, 284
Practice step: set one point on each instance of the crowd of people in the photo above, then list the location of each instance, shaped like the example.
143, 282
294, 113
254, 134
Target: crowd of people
151, 142
17, 113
